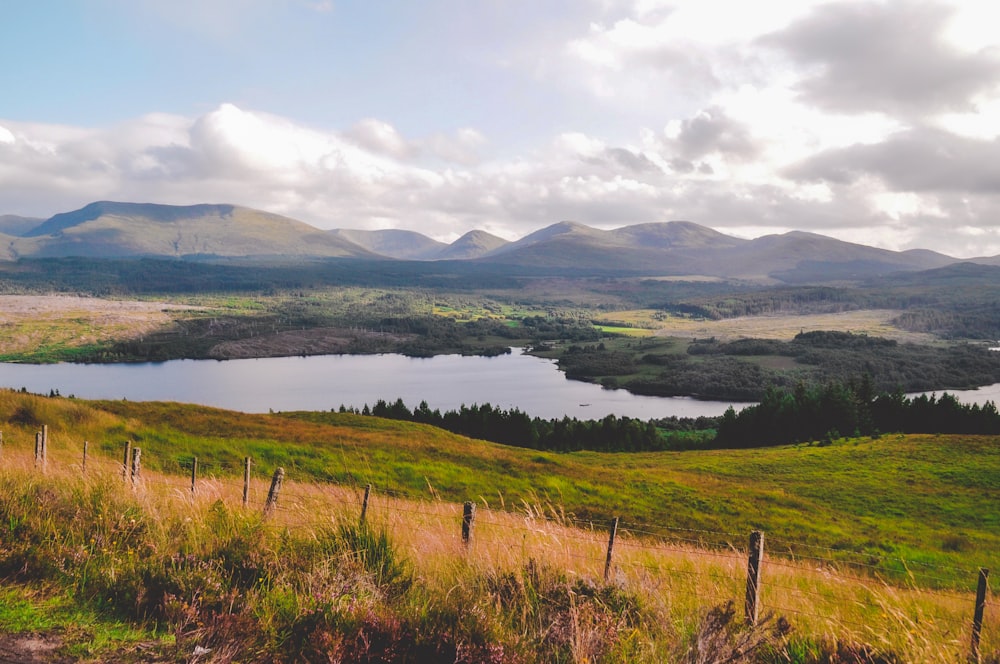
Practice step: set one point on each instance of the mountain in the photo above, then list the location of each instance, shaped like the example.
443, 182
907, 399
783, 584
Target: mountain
12, 224
410, 245
474, 244
685, 248
107, 230
675, 248
798, 256
406, 245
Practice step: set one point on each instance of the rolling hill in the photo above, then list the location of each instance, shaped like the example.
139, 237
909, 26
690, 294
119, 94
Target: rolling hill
393, 243
12, 224
114, 230
677, 248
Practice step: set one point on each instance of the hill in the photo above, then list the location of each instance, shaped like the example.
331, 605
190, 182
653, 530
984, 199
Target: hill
12, 224
851, 540
410, 245
113, 230
474, 244
675, 248
407, 245
684, 248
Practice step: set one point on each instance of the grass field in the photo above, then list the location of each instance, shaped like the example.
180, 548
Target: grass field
875, 322
871, 541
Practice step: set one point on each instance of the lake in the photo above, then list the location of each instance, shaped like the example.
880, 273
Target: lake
534, 385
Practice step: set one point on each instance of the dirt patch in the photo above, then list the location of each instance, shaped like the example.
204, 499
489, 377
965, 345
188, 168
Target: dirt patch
314, 341
31, 648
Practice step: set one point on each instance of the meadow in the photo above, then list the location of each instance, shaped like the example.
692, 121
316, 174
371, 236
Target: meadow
872, 545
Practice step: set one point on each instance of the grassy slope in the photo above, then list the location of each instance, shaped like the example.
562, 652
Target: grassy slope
929, 499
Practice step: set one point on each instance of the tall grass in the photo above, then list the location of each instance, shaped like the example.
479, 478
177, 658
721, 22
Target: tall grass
311, 583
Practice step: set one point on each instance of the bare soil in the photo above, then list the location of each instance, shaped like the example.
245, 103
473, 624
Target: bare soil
31, 648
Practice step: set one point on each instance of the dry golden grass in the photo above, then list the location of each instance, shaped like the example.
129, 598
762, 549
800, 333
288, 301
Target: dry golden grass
874, 322
677, 582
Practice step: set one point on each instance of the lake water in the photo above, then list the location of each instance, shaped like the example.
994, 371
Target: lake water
534, 385
445, 382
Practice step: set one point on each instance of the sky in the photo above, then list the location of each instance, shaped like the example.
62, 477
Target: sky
870, 121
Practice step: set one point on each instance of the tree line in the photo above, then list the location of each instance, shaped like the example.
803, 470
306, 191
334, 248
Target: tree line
854, 408
784, 416
515, 427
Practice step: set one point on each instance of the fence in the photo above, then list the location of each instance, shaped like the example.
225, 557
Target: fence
784, 580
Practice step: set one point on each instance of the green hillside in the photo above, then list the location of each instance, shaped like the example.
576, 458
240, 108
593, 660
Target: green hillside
872, 545
934, 499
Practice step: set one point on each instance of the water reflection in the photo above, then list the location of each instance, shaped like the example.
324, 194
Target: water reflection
531, 384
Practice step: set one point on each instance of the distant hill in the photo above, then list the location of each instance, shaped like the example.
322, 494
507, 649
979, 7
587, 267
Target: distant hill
474, 244
406, 245
112, 230
12, 224
685, 248
680, 248
410, 245
806, 257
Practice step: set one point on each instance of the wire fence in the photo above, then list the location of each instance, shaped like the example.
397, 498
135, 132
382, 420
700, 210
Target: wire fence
812, 582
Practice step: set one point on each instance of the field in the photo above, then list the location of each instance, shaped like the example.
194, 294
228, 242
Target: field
40, 327
873, 322
872, 544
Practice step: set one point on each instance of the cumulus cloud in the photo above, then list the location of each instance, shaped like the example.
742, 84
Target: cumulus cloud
889, 57
922, 159
333, 178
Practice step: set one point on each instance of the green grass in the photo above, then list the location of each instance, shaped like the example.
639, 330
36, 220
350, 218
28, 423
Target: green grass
934, 499
102, 563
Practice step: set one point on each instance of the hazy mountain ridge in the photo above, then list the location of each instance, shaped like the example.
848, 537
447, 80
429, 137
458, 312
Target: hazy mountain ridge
393, 243
16, 225
114, 230
108, 229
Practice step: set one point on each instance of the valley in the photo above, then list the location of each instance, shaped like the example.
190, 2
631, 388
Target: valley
884, 530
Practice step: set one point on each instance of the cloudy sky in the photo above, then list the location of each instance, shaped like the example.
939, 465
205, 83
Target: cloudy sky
874, 122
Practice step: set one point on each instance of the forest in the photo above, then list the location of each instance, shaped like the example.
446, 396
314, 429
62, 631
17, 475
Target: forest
849, 409
785, 416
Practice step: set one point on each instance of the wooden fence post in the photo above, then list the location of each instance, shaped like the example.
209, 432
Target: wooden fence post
194, 473
246, 481
752, 606
1, 443
126, 459
364, 504
977, 618
272, 495
86, 447
38, 448
468, 518
611, 547
136, 464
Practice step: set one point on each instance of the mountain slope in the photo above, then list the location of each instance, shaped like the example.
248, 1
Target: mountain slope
798, 256
402, 244
473, 244
674, 247
685, 248
108, 229
12, 224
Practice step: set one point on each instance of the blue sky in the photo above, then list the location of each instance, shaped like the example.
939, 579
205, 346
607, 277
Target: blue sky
869, 121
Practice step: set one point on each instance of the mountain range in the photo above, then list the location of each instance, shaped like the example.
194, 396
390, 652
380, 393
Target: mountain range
119, 230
